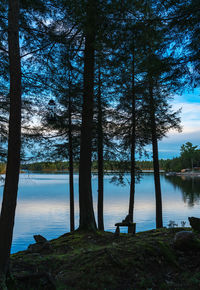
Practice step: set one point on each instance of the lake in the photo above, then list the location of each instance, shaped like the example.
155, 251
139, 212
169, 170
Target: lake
43, 204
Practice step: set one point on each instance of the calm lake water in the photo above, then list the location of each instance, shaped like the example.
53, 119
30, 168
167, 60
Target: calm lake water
43, 204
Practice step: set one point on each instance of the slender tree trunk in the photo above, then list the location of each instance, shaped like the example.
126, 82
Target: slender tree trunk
159, 219
100, 158
71, 169
133, 144
14, 140
87, 219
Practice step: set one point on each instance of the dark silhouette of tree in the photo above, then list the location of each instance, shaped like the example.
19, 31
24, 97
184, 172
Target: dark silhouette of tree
65, 121
87, 219
128, 88
100, 156
183, 21
14, 139
156, 167
189, 155
161, 77
133, 140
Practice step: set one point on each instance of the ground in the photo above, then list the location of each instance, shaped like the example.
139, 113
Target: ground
100, 260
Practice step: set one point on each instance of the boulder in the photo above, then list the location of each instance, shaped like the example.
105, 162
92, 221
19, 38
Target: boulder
39, 239
185, 240
44, 248
195, 223
41, 245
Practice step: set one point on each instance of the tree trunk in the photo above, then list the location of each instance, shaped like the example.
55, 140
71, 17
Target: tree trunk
71, 168
100, 158
14, 139
159, 220
133, 144
87, 219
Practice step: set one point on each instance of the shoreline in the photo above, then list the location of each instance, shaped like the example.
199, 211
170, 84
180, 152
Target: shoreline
197, 174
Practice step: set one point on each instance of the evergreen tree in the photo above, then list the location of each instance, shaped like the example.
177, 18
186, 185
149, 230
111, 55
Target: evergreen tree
14, 140
161, 78
4, 82
183, 20
128, 88
189, 155
100, 154
87, 219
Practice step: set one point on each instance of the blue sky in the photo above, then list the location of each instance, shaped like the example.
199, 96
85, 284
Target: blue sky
190, 119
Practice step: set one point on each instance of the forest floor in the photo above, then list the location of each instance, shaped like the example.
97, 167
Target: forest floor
99, 260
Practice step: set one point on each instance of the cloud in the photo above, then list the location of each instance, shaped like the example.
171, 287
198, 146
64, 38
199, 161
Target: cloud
170, 145
190, 120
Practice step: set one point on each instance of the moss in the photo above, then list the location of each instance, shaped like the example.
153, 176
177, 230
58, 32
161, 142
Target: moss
102, 261
168, 254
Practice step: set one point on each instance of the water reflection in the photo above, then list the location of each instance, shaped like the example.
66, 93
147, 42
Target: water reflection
43, 204
189, 186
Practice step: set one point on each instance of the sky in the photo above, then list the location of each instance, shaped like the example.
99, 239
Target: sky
169, 147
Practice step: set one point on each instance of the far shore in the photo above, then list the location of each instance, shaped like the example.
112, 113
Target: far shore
93, 171
189, 173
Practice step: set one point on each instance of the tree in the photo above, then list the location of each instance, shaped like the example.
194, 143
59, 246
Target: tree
154, 138
4, 82
161, 77
87, 219
103, 145
100, 155
132, 72
184, 21
189, 155
65, 119
57, 47
14, 139
127, 108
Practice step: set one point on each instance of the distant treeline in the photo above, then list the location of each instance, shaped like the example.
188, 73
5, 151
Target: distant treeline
174, 164
108, 166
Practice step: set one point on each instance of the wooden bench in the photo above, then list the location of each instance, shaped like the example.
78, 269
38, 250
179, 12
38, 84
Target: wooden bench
131, 227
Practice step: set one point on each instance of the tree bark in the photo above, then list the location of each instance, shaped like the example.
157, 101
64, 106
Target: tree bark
14, 139
100, 158
158, 194
133, 143
71, 168
87, 219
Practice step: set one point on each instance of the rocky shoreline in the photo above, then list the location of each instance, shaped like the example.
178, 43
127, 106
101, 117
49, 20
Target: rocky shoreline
188, 173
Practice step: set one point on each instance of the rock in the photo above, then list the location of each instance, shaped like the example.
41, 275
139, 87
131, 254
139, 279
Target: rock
40, 248
184, 240
41, 245
39, 239
195, 223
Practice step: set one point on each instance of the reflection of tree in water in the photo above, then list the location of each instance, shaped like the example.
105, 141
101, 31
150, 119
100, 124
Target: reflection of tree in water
189, 186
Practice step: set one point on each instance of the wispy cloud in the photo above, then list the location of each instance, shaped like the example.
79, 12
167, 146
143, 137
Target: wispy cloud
190, 121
